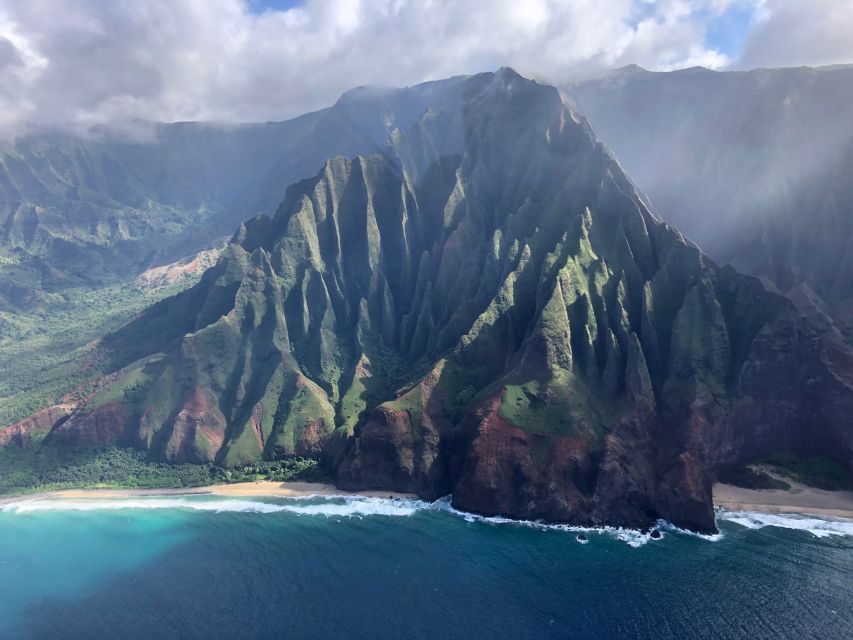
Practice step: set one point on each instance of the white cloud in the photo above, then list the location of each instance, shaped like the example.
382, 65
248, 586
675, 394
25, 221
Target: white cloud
104, 60
791, 33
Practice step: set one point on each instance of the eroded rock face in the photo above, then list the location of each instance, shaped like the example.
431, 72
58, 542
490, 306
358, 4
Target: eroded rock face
398, 447
390, 452
41, 422
99, 207
198, 429
505, 471
70, 422
488, 310
104, 425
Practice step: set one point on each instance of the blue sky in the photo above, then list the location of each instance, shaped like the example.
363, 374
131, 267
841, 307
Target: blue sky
259, 6
728, 32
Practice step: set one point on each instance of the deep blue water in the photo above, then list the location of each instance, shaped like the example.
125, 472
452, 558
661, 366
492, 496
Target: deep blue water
361, 568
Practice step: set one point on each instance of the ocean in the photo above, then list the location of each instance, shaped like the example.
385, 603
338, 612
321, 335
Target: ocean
203, 567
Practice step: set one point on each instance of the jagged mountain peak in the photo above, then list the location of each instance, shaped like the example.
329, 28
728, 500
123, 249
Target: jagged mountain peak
486, 308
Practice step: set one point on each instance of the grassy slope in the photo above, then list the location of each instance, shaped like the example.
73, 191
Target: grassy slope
46, 355
819, 472
564, 407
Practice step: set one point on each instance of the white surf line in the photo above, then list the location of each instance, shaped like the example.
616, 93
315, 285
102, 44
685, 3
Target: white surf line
339, 506
352, 506
364, 506
632, 537
818, 527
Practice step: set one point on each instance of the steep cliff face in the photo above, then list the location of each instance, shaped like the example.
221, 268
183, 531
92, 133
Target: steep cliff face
486, 309
753, 166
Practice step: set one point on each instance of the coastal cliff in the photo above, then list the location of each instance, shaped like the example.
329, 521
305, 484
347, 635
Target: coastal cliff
488, 309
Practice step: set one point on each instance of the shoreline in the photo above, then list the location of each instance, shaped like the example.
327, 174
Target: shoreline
800, 499
260, 488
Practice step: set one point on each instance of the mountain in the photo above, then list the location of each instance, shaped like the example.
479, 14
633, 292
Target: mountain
95, 208
753, 166
486, 308
89, 223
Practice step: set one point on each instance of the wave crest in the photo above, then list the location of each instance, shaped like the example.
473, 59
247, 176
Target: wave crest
331, 506
631, 537
817, 527
337, 506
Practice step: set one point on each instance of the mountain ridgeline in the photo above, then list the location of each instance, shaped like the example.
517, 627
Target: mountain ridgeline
485, 308
753, 166
94, 208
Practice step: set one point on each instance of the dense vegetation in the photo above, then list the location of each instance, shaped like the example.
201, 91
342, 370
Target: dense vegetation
38, 468
819, 472
749, 478
44, 355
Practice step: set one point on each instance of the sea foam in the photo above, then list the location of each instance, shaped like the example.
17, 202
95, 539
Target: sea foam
815, 526
710, 537
337, 506
331, 506
114, 504
632, 537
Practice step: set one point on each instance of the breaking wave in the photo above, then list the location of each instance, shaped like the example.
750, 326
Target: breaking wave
328, 506
631, 537
817, 527
332, 506
337, 506
710, 537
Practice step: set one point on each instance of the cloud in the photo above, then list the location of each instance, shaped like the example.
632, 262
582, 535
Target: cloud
792, 33
93, 61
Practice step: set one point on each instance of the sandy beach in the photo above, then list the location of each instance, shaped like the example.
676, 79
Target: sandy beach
798, 499
239, 489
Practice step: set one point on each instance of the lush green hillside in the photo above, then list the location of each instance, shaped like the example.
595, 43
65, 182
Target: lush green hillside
81, 216
489, 309
46, 354
98, 208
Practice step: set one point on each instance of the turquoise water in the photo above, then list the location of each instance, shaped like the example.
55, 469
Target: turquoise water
371, 568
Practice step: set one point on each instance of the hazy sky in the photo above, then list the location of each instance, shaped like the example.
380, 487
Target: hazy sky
88, 61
